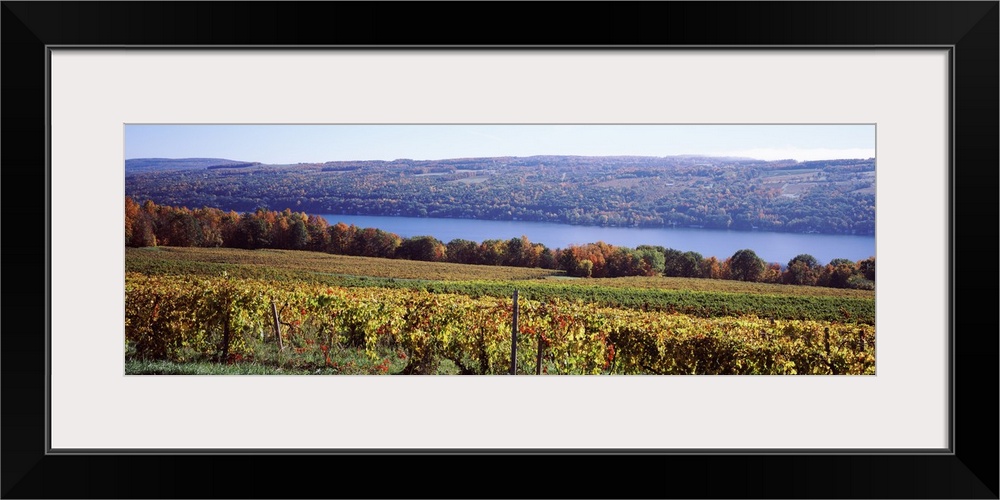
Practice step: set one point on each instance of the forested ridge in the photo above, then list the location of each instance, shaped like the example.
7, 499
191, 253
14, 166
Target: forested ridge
830, 196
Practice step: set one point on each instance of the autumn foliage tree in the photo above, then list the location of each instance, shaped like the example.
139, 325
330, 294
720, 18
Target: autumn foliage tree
341, 238
837, 273
867, 268
712, 268
772, 273
148, 224
139, 229
803, 269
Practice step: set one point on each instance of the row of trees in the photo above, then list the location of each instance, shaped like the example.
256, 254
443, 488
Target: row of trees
603, 260
148, 224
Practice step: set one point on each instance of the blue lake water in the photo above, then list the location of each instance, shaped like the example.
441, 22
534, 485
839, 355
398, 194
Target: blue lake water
772, 247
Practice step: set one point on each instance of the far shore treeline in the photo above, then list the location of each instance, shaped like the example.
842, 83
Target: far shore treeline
148, 224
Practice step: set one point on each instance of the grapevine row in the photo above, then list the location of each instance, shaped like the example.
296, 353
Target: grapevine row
180, 318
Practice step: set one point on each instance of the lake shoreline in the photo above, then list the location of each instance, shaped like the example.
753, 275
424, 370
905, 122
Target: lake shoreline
779, 247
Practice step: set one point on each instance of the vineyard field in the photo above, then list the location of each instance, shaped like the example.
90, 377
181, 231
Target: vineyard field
697, 297
300, 264
318, 328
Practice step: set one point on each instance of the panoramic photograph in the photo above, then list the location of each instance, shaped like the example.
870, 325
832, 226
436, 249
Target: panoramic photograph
533, 250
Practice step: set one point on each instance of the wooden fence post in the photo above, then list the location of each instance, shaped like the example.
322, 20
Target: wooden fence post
277, 328
826, 341
225, 334
538, 357
826, 345
513, 339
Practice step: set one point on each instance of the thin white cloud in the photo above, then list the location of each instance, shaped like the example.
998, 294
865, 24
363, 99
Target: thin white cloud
487, 136
802, 154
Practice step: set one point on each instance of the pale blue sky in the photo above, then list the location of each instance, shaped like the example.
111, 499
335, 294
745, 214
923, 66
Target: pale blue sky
279, 144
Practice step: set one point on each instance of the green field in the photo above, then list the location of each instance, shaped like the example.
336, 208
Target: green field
317, 266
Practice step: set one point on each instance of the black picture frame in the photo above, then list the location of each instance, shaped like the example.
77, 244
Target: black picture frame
969, 470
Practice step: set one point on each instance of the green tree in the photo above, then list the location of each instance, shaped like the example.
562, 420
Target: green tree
547, 259
298, 235
252, 232
493, 252
651, 261
745, 265
426, 248
686, 264
514, 256
181, 230
374, 242
568, 262
319, 236
805, 258
463, 251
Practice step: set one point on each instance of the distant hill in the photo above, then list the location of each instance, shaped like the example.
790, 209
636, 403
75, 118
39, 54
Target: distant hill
828, 196
137, 165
